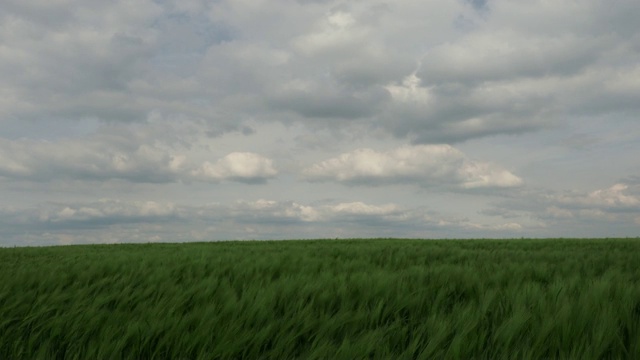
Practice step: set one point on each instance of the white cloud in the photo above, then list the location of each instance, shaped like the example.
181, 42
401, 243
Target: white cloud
109, 212
360, 208
424, 165
486, 175
616, 198
239, 166
106, 155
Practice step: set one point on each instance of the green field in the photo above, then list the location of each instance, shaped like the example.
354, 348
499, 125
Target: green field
324, 299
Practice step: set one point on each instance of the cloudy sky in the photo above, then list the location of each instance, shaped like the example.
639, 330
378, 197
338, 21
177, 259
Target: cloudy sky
192, 120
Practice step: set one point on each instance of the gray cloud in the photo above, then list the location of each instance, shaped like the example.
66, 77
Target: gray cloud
105, 212
330, 63
617, 198
80, 57
328, 103
577, 213
186, 101
67, 223
488, 56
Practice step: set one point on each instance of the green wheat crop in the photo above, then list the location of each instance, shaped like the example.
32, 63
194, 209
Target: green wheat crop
325, 299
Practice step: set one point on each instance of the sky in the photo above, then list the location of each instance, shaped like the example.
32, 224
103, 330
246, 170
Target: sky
192, 120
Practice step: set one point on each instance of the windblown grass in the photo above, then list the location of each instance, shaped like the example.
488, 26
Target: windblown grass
355, 299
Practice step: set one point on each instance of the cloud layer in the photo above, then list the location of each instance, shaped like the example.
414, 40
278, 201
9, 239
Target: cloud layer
508, 118
66, 223
467, 72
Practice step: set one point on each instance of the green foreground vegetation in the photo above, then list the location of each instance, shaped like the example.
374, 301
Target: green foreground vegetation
323, 299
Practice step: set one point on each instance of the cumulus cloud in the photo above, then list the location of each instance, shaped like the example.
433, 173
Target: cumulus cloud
108, 155
424, 165
239, 166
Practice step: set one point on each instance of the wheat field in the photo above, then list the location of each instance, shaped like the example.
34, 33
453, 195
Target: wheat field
324, 299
